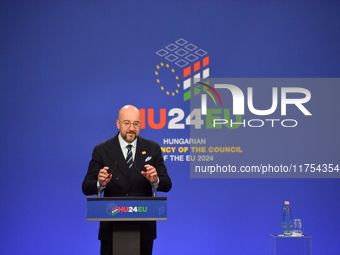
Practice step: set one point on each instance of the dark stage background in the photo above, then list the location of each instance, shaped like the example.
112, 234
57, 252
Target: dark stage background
68, 66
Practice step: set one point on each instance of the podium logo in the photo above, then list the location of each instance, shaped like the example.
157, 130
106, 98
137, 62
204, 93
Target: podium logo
112, 209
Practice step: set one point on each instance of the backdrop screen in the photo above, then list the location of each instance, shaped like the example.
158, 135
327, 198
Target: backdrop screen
242, 97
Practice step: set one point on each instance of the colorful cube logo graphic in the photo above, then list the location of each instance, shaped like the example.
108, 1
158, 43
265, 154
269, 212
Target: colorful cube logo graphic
186, 63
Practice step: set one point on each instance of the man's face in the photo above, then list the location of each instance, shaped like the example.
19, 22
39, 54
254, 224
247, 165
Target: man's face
129, 124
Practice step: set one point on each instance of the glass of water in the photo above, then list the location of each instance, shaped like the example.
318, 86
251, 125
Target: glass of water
297, 228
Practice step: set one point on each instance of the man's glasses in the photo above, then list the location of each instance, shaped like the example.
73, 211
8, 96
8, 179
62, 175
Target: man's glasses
128, 123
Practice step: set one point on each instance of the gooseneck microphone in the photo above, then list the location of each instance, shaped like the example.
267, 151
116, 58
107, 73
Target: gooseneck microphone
100, 183
154, 191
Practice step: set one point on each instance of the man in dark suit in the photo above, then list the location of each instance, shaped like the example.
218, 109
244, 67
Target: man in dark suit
109, 171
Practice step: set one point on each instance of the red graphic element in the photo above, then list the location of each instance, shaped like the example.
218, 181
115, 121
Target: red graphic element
149, 118
186, 71
206, 61
213, 90
197, 66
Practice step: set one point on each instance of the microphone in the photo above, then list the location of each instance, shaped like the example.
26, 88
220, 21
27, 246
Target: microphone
154, 192
100, 183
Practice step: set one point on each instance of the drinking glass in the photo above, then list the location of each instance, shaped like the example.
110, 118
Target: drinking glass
297, 228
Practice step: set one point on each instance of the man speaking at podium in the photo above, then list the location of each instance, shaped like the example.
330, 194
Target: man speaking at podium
127, 165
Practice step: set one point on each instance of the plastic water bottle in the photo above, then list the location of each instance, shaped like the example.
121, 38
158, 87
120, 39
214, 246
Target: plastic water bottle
287, 220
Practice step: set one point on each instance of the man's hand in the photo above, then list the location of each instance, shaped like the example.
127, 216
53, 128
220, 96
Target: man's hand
103, 177
150, 174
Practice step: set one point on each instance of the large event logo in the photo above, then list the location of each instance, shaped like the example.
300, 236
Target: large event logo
183, 71
182, 64
186, 62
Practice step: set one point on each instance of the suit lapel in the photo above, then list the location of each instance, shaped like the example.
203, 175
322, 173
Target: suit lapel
116, 155
139, 161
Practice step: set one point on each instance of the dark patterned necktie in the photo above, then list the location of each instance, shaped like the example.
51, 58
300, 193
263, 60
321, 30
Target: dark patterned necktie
129, 160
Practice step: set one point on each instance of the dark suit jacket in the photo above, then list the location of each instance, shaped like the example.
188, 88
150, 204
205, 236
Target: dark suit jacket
125, 181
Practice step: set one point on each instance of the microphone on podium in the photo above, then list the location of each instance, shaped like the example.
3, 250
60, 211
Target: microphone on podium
110, 173
154, 191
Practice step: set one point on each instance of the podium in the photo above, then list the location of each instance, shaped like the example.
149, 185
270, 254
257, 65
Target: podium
291, 245
127, 212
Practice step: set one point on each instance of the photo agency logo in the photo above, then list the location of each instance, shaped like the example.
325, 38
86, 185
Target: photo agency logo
255, 102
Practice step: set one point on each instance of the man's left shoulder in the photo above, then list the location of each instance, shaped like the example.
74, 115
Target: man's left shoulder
147, 142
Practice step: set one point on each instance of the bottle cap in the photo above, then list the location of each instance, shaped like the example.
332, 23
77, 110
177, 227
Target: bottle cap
286, 202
